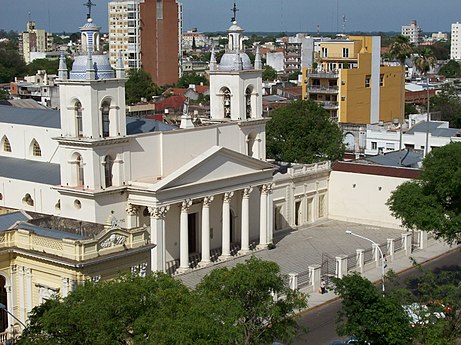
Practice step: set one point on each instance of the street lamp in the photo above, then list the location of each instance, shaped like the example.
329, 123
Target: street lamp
377, 246
2, 306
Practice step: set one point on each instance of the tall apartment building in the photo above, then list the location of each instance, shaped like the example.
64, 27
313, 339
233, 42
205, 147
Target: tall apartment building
455, 52
351, 82
148, 32
413, 32
33, 40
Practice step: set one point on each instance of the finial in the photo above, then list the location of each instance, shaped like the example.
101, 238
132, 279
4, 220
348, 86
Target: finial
89, 4
186, 120
258, 62
234, 10
120, 68
62, 70
213, 63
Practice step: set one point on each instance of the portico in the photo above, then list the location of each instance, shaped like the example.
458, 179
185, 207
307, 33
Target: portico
217, 204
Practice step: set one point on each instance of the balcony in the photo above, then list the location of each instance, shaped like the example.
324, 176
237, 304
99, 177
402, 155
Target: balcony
322, 89
323, 74
329, 105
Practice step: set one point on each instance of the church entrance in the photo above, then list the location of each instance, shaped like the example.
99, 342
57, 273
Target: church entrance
192, 224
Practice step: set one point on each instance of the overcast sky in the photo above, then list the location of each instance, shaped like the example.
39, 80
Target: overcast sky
254, 15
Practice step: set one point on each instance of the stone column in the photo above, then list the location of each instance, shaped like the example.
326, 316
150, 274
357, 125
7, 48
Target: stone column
157, 237
390, 248
206, 230
245, 245
29, 289
184, 236
406, 243
9, 302
65, 287
341, 266
22, 295
270, 213
132, 216
263, 241
226, 225
314, 276
360, 259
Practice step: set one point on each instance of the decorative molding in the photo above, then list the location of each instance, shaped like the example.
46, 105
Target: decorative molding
247, 191
207, 200
228, 196
186, 204
158, 212
132, 210
113, 240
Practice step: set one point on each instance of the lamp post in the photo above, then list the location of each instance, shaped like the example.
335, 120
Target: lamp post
2, 306
377, 246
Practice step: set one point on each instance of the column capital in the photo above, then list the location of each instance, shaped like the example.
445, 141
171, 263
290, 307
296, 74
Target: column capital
228, 196
247, 191
207, 200
266, 188
158, 212
186, 204
132, 210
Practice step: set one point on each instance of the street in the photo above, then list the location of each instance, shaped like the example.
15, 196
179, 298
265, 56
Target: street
321, 321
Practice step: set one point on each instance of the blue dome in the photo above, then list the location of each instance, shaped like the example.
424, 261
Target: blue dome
227, 62
102, 67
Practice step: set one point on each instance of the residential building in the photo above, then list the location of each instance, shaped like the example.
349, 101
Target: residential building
33, 40
148, 32
352, 83
413, 32
192, 39
455, 50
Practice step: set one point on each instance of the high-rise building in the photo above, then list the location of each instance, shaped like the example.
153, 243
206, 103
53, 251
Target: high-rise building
33, 40
413, 32
352, 84
148, 33
455, 52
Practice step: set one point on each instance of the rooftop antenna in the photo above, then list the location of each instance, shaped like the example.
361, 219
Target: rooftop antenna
29, 17
318, 29
89, 4
234, 10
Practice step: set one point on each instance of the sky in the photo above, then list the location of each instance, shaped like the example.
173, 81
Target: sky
253, 15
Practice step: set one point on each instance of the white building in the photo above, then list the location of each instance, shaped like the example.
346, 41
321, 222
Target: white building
413, 32
381, 139
193, 38
455, 50
124, 32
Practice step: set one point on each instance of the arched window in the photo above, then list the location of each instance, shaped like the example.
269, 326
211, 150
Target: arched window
78, 119
248, 93
36, 150
227, 102
105, 119
79, 171
108, 164
6, 146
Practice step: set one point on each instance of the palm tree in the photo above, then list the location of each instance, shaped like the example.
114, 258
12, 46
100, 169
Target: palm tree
423, 63
401, 49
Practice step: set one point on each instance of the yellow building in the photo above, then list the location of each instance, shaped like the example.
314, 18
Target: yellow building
352, 83
49, 256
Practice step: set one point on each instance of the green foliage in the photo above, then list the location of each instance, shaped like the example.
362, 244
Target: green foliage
369, 315
191, 78
451, 69
229, 307
433, 202
4, 95
303, 132
252, 312
401, 48
49, 65
410, 109
11, 63
294, 76
448, 103
139, 85
424, 60
269, 73
441, 50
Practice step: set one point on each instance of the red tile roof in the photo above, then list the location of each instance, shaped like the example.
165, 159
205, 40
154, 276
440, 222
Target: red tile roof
370, 169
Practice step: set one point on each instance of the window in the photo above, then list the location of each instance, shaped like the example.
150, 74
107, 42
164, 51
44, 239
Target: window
227, 102
345, 52
6, 144
381, 80
322, 206
108, 164
105, 119
159, 9
367, 81
374, 145
78, 120
36, 150
248, 102
79, 171
343, 98
324, 52
390, 146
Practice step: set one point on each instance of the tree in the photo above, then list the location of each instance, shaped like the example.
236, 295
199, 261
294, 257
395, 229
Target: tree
191, 78
11, 63
433, 201
49, 65
247, 290
448, 103
303, 132
401, 49
269, 73
139, 85
451, 69
369, 315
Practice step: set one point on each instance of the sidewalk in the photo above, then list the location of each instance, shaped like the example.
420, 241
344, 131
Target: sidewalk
401, 263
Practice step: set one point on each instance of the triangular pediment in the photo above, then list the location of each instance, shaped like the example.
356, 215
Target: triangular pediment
112, 237
217, 163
